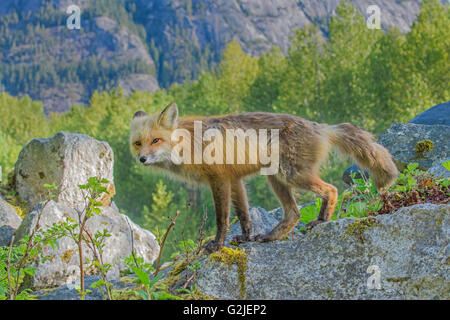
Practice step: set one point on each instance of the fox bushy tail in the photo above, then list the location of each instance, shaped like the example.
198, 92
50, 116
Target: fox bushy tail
359, 145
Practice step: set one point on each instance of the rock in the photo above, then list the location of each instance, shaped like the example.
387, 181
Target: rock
409, 248
69, 291
278, 213
8, 215
142, 82
438, 170
64, 264
262, 222
437, 115
347, 175
401, 140
9, 222
66, 159
6, 234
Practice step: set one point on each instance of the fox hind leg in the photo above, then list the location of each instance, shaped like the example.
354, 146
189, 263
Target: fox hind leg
291, 216
327, 192
240, 204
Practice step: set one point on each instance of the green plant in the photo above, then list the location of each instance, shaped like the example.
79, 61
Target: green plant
445, 182
414, 186
188, 253
362, 199
78, 232
149, 287
446, 165
17, 261
96, 244
406, 181
310, 213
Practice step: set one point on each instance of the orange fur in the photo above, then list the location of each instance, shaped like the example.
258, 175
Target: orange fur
303, 146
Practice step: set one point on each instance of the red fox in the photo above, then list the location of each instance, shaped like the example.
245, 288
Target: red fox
298, 147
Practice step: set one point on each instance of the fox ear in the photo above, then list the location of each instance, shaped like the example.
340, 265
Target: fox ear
139, 114
169, 116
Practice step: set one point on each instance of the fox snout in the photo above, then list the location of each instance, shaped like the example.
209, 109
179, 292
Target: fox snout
147, 159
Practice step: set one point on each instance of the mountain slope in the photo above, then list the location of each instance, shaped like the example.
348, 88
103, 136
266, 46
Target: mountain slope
183, 31
44, 59
134, 42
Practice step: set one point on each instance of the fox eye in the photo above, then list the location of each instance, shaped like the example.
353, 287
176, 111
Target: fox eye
156, 140
137, 143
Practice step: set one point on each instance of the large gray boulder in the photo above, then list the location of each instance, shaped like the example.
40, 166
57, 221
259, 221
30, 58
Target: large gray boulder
408, 252
63, 267
9, 222
439, 114
401, 140
66, 159
69, 160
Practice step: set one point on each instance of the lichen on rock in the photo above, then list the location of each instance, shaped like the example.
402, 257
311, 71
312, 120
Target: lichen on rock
358, 227
230, 257
423, 146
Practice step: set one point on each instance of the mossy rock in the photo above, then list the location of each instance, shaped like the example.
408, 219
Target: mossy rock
230, 257
359, 226
423, 146
409, 142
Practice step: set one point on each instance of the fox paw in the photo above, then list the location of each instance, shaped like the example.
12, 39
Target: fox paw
313, 223
240, 239
261, 238
211, 247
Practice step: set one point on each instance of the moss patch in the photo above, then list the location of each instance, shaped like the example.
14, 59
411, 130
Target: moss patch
358, 227
20, 211
398, 279
440, 219
196, 295
423, 146
175, 274
237, 257
67, 256
125, 294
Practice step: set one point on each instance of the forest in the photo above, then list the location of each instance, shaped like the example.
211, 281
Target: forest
33, 59
365, 76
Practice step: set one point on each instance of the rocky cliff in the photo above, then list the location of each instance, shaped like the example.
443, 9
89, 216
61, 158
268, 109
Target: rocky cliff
146, 44
179, 28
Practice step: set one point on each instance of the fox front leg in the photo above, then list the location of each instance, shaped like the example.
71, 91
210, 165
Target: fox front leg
240, 204
221, 192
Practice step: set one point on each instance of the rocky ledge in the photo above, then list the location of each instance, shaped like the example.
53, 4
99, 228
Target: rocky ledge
405, 255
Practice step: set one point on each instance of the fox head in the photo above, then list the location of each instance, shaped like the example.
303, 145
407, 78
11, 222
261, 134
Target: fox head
150, 135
